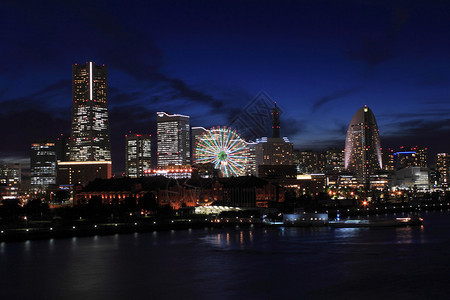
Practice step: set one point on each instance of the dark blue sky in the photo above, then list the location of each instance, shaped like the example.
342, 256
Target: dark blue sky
321, 61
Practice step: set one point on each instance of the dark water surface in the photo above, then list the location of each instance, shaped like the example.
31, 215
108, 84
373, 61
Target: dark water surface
236, 263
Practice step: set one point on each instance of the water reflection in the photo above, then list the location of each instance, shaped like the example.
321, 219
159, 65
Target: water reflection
404, 235
240, 238
231, 263
51, 244
345, 233
27, 246
411, 235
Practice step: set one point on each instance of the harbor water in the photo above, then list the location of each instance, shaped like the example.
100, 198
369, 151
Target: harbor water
236, 263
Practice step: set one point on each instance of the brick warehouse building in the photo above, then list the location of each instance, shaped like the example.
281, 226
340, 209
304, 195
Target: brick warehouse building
245, 191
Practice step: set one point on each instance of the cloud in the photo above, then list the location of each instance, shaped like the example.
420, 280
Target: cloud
43, 96
137, 55
124, 47
334, 96
320, 144
341, 128
291, 127
436, 100
119, 97
22, 127
422, 127
431, 133
135, 63
34, 117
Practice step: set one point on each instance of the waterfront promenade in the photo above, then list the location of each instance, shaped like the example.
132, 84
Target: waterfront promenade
47, 229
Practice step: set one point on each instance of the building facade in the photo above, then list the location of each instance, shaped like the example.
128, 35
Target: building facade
138, 149
250, 168
43, 165
334, 160
173, 135
10, 180
274, 151
196, 133
63, 147
442, 169
411, 178
308, 162
362, 146
90, 137
410, 157
388, 159
82, 172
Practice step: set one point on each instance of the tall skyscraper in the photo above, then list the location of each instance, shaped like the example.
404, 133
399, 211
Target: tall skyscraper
89, 140
363, 146
173, 135
138, 154
89, 145
43, 165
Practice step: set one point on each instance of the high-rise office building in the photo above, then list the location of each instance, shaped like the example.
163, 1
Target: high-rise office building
89, 140
308, 161
173, 135
275, 156
138, 154
10, 180
274, 151
250, 167
196, 133
63, 147
422, 156
363, 146
334, 160
443, 169
43, 165
411, 157
89, 145
387, 156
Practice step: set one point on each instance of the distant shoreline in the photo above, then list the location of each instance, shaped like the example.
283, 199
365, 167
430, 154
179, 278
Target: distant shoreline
90, 228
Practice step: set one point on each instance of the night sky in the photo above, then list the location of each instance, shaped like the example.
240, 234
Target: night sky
320, 60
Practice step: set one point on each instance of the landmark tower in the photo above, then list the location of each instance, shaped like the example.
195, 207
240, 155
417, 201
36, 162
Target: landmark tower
362, 146
89, 140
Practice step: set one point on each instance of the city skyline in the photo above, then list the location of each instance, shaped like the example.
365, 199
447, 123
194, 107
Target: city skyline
238, 149
308, 56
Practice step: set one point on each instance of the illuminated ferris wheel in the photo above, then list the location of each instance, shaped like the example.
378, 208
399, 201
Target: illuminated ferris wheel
225, 149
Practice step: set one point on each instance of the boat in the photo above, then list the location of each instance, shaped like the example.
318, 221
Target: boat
397, 222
